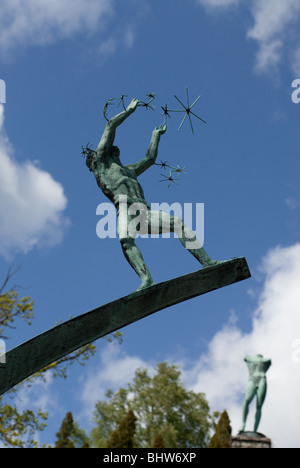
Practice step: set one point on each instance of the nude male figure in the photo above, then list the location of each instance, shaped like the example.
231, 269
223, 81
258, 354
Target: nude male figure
257, 385
119, 183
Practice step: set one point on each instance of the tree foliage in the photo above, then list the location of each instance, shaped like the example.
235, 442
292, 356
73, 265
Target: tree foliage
162, 406
158, 442
65, 433
12, 306
69, 434
18, 429
123, 437
222, 435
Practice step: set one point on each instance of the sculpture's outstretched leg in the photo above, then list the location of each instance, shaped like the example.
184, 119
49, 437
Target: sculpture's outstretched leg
136, 261
161, 223
155, 223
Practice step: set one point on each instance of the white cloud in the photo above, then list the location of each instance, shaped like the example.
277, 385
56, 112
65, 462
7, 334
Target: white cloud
268, 56
273, 22
31, 203
115, 370
222, 374
107, 47
272, 19
39, 22
43, 22
210, 4
293, 203
123, 37
38, 395
295, 61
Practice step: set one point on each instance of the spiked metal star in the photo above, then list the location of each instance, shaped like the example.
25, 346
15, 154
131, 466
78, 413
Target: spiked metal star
178, 169
121, 100
169, 179
163, 165
108, 103
86, 150
188, 110
166, 112
147, 104
151, 95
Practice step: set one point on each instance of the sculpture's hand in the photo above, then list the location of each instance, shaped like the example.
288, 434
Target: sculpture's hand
160, 130
133, 105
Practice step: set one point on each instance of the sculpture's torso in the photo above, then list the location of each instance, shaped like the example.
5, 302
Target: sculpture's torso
257, 371
114, 179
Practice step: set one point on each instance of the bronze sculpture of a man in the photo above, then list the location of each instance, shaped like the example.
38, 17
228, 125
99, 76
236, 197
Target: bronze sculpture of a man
257, 386
120, 184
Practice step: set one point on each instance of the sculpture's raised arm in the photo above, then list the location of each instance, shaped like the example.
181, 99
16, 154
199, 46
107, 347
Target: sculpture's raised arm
267, 363
109, 133
152, 151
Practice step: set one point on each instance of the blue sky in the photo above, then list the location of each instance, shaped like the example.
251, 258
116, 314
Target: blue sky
61, 61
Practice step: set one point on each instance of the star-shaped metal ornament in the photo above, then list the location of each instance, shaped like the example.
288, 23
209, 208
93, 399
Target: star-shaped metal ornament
166, 113
108, 103
178, 169
121, 101
188, 110
151, 97
169, 179
86, 150
163, 165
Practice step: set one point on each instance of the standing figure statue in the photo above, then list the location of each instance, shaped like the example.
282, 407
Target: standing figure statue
119, 183
257, 386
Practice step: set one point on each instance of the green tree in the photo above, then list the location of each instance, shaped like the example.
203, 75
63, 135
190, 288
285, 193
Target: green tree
15, 426
18, 429
70, 435
222, 435
123, 437
12, 306
158, 442
65, 433
162, 406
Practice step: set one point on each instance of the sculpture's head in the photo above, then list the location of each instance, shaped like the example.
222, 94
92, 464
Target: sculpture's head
91, 160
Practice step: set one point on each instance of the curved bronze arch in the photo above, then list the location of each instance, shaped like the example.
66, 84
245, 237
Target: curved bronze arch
44, 349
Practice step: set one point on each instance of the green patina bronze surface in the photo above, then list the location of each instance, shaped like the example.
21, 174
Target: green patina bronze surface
35, 354
120, 184
257, 386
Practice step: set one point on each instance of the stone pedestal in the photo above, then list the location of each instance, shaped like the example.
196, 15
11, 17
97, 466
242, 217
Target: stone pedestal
251, 440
